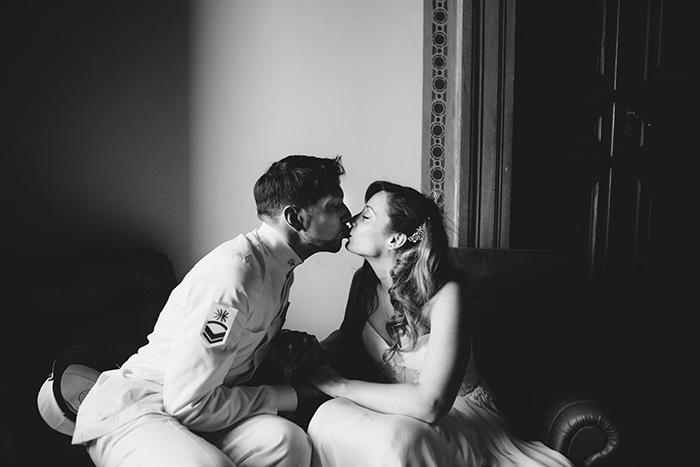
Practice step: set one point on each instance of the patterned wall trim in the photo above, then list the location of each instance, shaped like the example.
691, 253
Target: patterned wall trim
438, 101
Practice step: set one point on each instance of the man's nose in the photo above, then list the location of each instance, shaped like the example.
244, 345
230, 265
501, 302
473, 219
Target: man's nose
353, 219
347, 215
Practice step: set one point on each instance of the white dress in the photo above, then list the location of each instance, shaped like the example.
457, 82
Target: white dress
473, 433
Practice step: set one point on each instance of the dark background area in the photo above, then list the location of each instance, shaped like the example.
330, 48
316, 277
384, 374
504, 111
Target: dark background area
606, 99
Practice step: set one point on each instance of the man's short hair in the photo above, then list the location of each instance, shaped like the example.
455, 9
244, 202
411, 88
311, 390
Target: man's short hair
297, 180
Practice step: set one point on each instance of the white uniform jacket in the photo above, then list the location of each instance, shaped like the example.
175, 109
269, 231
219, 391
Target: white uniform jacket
209, 338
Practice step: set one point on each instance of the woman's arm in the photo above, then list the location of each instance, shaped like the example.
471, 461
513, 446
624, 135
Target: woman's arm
443, 369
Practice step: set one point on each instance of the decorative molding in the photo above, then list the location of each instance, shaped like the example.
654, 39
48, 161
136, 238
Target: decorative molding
438, 99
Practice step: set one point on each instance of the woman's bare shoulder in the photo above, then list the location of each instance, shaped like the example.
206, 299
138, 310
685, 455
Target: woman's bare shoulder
452, 290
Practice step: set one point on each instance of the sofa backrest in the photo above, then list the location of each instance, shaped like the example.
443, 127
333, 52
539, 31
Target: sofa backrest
496, 275
526, 330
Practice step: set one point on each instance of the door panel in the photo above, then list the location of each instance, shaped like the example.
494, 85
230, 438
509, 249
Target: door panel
604, 153
606, 106
654, 197
564, 108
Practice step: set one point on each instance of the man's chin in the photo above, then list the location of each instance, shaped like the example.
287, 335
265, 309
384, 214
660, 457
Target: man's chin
331, 247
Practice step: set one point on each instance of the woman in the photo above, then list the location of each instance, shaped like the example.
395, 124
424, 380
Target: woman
430, 407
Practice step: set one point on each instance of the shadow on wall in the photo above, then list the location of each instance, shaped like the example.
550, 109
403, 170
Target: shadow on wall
96, 150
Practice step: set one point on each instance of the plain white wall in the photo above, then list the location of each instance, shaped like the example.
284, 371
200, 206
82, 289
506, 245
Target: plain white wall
321, 77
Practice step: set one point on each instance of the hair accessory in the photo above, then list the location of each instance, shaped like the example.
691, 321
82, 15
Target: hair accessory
417, 236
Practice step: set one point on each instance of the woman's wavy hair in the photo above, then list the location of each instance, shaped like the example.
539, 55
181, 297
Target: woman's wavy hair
422, 267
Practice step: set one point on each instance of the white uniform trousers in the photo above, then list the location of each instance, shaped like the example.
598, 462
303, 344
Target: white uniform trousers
156, 440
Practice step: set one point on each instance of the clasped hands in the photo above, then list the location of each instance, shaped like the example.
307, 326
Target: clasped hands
298, 351
301, 352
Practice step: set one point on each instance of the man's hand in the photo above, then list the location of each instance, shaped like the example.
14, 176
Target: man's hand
296, 350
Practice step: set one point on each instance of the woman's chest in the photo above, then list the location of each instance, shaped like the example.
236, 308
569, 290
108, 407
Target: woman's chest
379, 317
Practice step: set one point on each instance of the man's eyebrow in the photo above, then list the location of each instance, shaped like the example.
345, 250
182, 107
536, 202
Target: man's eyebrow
367, 206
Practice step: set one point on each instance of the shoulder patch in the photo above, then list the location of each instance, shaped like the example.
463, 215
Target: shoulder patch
218, 324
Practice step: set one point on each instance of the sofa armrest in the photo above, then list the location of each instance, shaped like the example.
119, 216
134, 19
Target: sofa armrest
583, 431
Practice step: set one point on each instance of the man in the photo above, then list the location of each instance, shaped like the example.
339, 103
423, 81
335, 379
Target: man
185, 398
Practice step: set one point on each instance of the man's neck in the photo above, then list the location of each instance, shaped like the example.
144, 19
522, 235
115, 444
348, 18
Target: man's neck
292, 238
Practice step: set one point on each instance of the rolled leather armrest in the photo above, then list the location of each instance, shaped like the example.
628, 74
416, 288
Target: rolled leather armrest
583, 431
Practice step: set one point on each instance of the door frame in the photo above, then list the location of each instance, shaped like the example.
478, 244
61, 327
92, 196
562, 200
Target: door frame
468, 81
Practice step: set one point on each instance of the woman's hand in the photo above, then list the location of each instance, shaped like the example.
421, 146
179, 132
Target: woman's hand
327, 380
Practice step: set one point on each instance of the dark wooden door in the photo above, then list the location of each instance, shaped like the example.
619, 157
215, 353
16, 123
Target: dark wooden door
605, 145
604, 168
656, 149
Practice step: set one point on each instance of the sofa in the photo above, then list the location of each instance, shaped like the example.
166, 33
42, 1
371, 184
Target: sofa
625, 361
534, 349
526, 345
108, 300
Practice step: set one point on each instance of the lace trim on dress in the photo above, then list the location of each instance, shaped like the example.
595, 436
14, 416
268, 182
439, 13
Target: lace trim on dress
480, 395
386, 373
473, 389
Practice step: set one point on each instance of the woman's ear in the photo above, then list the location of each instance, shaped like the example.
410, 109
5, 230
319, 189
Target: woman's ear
395, 241
291, 217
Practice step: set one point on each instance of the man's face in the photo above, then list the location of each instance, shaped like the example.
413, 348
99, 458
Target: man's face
325, 222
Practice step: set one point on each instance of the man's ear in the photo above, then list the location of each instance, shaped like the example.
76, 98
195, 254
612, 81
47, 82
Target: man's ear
292, 217
395, 241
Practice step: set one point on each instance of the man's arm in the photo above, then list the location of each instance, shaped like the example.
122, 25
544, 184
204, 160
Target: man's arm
210, 340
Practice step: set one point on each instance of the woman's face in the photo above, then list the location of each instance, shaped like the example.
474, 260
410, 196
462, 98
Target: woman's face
369, 232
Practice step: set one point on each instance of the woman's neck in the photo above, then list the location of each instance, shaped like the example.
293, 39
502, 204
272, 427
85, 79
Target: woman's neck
382, 267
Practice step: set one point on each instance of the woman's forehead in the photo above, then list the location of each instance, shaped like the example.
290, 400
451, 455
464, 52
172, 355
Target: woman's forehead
378, 202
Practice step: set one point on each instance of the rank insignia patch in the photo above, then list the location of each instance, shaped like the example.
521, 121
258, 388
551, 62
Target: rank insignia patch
218, 325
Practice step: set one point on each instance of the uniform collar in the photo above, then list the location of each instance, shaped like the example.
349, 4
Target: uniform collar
279, 248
